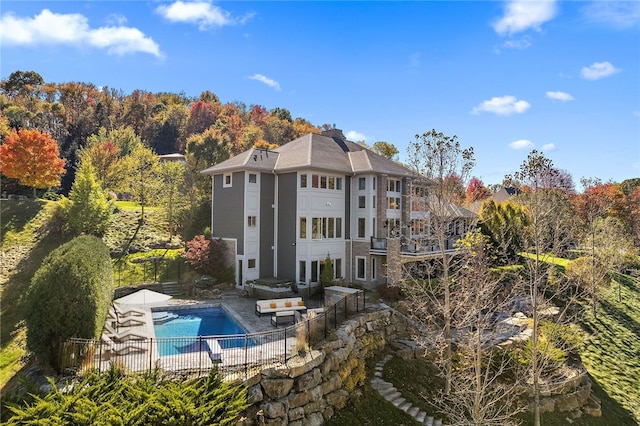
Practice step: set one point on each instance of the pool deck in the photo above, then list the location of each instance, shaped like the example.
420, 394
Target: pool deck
241, 309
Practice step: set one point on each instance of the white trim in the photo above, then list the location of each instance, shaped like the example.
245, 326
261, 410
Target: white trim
224, 180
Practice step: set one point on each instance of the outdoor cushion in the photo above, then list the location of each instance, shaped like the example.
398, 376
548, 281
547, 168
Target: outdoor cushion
287, 304
272, 305
300, 303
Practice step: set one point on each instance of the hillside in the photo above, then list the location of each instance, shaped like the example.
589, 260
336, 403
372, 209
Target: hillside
611, 350
28, 234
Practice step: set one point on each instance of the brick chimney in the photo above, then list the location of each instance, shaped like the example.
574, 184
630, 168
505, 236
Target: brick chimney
335, 134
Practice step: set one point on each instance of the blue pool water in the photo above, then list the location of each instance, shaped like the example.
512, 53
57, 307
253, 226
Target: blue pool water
184, 326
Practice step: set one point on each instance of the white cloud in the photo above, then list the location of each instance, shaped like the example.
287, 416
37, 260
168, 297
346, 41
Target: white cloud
559, 96
521, 144
521, 15
48, 28
266, 80
598, 70
516, 44
619, 14
505, 105
202, 13
548, 147
352, 135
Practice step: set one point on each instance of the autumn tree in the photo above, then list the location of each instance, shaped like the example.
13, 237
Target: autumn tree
437, 157
106, 163
33, 158
476, 190
386, 149
202, 115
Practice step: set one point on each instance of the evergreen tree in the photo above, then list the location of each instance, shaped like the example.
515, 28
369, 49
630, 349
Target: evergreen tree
87, 210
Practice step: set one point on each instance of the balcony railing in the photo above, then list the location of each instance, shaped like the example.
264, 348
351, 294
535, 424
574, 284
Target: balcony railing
412, 247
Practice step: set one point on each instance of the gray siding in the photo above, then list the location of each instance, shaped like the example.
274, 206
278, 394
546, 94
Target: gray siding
287, 207
347, 207
267, 188
227, 208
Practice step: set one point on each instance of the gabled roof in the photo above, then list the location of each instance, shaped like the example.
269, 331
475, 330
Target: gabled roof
252, 159
313, 151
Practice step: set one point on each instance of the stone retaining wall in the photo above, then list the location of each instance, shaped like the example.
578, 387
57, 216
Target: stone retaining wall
310, 389
570, 394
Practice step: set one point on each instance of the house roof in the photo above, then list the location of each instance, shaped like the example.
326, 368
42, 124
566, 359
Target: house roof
313, 151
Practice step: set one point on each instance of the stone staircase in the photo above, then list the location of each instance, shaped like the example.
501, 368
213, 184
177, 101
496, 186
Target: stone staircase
171, 288
391, 394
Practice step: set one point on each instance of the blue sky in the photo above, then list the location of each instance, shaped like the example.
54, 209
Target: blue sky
505, 77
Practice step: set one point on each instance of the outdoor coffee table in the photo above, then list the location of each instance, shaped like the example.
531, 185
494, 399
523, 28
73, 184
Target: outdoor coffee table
282, 317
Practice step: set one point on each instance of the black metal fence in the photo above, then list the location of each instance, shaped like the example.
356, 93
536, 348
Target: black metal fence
235, 356
149, 270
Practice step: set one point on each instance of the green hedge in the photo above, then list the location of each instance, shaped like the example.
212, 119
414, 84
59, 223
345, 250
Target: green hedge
69, 296
117, 398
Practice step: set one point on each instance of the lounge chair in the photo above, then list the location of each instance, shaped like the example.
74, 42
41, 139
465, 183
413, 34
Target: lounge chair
125, 335
117, 311
127, 321
112, 348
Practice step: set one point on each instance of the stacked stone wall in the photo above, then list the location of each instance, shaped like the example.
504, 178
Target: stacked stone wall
310, 389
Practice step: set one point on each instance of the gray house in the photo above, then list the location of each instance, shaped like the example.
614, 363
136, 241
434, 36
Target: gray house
283, 212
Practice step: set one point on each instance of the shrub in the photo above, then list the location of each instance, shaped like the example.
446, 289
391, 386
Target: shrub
390, 293
209, 257
69, 296
113, 398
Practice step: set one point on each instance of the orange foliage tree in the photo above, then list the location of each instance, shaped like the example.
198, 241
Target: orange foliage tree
33, 158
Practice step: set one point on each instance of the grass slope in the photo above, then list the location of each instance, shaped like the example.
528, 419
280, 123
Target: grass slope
27, 237
612, 350
26, 241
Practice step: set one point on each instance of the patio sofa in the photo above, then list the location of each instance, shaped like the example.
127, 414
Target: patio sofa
270, 306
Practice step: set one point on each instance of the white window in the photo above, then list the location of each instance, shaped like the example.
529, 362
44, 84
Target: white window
303, 227
362, 202
303, 181
373, 268
337, 269
302, 276
393, 203
227, 180
314, 271
393, 185
253, 178
251, 264
252, 221
362, 183
361, 227
361, 268
339, 184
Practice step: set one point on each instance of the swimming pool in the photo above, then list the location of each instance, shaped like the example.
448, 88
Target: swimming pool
178, 329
